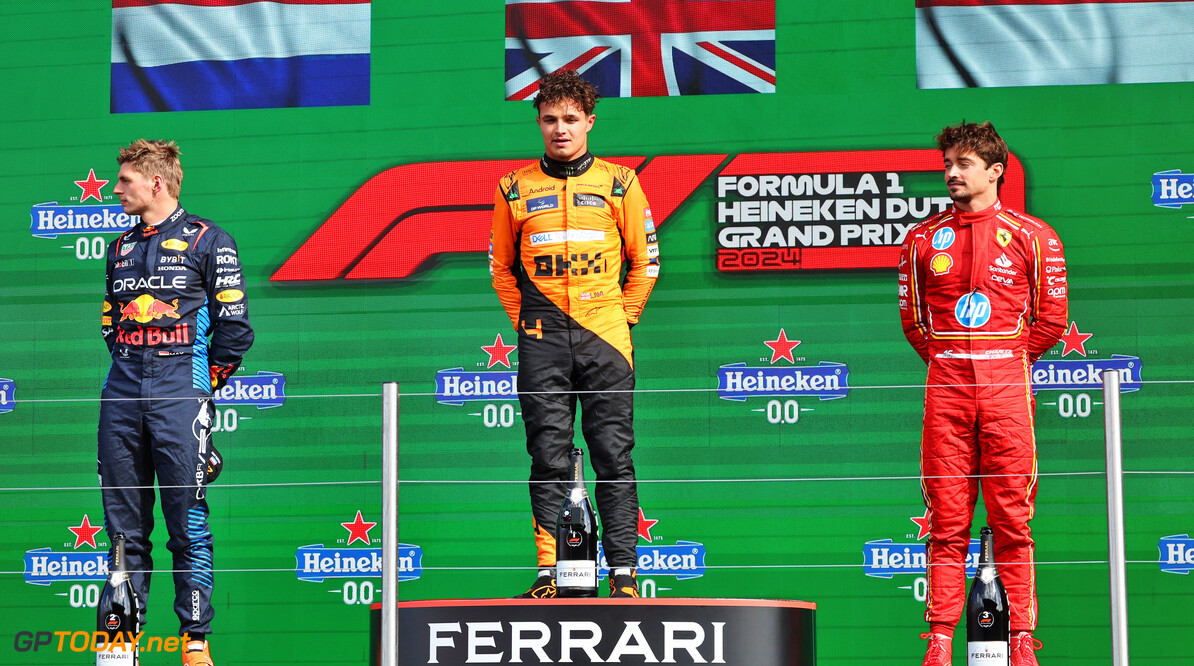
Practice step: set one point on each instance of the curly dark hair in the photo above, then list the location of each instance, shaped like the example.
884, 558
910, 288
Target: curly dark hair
981, 138
564, 85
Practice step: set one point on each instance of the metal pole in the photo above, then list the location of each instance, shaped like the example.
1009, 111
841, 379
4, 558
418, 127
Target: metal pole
389, 523
1115, 519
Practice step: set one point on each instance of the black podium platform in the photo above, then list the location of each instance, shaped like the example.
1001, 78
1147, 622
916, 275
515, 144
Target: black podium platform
754, 632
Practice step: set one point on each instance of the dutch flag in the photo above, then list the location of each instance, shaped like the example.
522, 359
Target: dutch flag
190, 55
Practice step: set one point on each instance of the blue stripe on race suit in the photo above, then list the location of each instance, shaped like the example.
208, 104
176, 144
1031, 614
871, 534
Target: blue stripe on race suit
200, 372
199, 552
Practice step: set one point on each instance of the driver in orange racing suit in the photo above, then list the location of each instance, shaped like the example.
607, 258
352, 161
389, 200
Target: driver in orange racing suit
561, 227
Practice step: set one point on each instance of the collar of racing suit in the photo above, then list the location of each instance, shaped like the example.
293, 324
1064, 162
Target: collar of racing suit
983, 215
151, 229
558, 169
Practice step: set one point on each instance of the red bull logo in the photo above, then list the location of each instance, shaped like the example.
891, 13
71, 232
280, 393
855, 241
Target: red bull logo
146, 308
150, 336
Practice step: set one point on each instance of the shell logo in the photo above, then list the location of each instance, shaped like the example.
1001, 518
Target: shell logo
230, 295
941, 264
107, 306
175, 244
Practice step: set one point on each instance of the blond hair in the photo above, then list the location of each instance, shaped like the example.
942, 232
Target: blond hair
153, 157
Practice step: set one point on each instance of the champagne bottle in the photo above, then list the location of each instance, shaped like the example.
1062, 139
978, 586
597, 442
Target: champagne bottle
988, 621
576, 538
117, 612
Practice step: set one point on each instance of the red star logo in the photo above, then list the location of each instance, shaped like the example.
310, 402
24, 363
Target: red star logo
499, 352
91, 187
85, 533
923, 524
358, 529
644, 525
1075, 340
782, 347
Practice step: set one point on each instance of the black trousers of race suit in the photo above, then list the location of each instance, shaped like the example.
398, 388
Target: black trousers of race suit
154, 420
559, 362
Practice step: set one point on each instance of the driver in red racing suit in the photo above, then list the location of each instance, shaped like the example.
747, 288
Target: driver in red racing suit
982, 295
561, 227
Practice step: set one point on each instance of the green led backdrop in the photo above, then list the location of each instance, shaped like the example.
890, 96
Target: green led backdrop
362, 228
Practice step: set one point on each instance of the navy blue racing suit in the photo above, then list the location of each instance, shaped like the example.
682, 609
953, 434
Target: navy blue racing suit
168, 287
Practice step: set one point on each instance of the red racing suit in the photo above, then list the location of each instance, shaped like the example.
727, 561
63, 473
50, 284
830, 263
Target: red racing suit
560, 232
982, 297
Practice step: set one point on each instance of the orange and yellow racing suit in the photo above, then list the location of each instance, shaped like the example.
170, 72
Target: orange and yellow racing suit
562, 234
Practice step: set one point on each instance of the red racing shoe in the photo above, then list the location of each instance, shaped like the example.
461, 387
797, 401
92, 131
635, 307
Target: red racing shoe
939, 650
1024, 647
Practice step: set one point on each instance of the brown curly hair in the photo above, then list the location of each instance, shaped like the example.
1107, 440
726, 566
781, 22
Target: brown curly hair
981, 138
564, 85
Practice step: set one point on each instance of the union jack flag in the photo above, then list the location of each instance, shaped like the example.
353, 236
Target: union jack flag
643, 48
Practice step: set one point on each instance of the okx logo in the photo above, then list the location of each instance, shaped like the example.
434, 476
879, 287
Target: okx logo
353, 566
49, 220
787, 381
